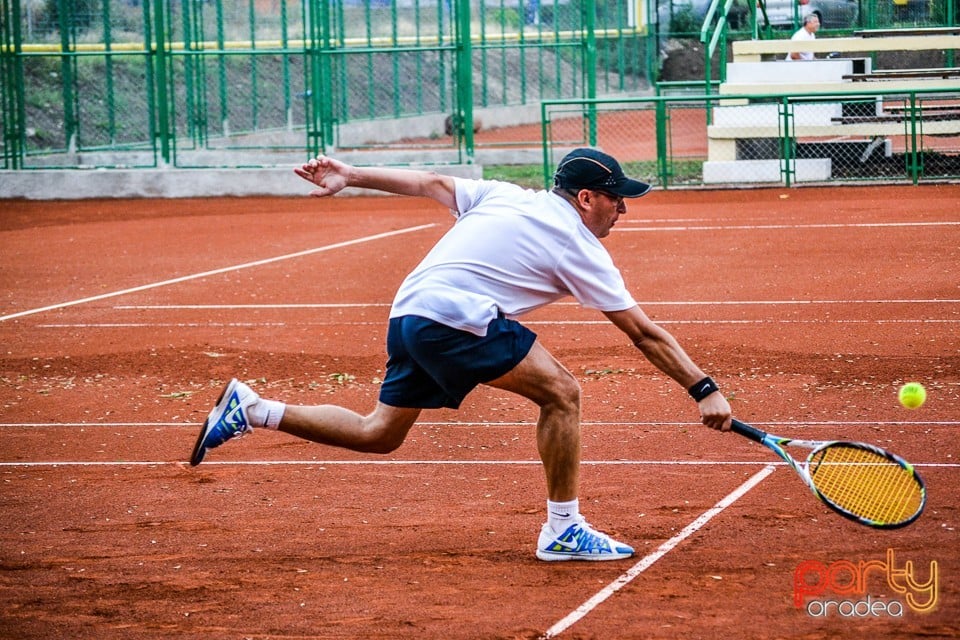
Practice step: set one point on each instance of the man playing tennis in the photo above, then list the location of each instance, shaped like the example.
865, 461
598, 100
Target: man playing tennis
453, 325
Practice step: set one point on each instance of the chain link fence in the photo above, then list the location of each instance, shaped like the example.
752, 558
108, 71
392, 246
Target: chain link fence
782, 139
113, 83
811, 139
211, 83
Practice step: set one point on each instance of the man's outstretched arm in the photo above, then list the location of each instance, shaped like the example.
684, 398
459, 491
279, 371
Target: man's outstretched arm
331, 176
665, 353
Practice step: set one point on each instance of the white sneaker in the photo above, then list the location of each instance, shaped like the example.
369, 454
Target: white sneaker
228, 419
580, 541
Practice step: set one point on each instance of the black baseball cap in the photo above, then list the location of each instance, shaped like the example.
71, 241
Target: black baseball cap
586, 168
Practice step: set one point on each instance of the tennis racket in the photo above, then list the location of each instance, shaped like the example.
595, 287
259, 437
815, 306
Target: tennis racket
859, 481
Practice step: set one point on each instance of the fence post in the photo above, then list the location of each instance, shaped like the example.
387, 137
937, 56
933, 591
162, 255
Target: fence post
285, 45
951, 20
663, 161
13, 100
914, 153
108, 65
590, 64
191, 40
310, 81
67, 62
545, 136
652, 47
465, 77
869, 9
787, 160
320, 77
222, 73
157, 61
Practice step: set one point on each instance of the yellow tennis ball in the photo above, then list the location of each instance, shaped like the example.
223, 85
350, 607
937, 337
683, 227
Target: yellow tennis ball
912, 395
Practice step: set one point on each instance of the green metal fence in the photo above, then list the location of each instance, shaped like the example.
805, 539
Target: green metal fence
111, 83
199, 83
766, 139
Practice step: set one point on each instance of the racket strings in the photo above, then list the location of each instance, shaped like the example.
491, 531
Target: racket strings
866, 484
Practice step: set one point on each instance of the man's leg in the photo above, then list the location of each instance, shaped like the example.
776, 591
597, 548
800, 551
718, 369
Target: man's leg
379, 432
566, 534
542, 379
240, 410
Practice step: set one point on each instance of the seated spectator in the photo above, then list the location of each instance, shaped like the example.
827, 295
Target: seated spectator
807, 32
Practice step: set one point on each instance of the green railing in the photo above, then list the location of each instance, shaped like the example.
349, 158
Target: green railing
713, 36
779, 138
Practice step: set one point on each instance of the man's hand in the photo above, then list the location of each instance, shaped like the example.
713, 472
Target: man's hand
326, 173
715, 412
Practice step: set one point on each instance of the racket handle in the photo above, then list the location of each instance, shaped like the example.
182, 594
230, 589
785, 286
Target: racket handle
747, 431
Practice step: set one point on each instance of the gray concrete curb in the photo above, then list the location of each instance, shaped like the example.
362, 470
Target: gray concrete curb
77, 184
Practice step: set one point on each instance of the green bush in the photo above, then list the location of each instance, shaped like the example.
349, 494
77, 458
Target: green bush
80, 13
684, 20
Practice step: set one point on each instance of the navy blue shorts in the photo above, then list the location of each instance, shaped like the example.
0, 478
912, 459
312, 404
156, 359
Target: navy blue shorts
431, 365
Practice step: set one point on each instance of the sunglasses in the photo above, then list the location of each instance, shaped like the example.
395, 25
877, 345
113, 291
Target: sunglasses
612, 196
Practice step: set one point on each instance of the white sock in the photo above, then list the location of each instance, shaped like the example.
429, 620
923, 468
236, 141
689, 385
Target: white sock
266, 413
561, 515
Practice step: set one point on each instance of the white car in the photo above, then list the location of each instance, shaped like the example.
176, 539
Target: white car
833, 14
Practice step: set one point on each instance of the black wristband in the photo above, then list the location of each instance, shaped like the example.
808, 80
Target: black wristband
703, 388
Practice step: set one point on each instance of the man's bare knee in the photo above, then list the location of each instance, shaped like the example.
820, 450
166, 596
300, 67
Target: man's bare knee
381, 437
380, 444
565, 393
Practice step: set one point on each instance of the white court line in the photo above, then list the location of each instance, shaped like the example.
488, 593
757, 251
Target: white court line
394, 463
338, 323
186, 325
648, 303
236, 267
584, 423
420, 463
319, 305
661, 551
761, 227
774, 321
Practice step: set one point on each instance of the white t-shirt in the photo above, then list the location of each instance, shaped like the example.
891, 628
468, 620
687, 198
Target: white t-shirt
803, 34
511, 250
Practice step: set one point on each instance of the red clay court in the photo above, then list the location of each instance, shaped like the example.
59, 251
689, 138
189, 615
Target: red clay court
121, 321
